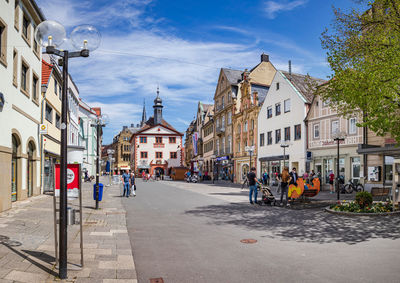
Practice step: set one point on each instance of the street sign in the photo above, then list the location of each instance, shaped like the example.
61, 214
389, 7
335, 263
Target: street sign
43, 129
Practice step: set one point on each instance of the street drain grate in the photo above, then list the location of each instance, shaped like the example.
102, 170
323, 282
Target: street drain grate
248, 241
156, 280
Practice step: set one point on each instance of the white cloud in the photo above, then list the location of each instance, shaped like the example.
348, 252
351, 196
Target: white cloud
274, 7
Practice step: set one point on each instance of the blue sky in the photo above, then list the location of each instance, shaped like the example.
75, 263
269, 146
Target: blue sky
181, 46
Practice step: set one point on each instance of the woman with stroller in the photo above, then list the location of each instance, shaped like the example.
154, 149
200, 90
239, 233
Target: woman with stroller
285, 180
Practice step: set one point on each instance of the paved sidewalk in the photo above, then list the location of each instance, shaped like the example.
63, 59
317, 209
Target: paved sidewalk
27, 241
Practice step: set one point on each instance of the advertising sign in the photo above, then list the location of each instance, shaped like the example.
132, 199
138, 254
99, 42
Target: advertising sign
194, 141
43, 129
222, 158
73, 180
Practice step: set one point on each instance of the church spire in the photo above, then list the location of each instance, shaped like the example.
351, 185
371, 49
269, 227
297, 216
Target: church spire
144, 119
158, 108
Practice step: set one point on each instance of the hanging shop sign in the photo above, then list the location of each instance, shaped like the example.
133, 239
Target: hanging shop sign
222, 158
73, 180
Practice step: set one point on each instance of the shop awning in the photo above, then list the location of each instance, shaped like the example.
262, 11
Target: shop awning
273, 158
374, 149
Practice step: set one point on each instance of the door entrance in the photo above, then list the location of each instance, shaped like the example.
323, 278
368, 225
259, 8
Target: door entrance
30, 169
14, 168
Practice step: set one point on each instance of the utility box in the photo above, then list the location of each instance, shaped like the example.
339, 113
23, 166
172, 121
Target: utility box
100, 191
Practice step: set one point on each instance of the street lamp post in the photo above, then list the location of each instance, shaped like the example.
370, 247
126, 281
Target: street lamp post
110, 153
338, 137
51, 34
250, 150
284, 145
100, 122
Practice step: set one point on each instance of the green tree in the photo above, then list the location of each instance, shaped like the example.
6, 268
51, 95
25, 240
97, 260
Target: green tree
363, 51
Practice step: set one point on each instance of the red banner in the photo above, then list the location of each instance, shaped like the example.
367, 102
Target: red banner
73, 179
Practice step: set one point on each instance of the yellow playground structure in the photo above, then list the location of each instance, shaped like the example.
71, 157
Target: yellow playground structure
303, 189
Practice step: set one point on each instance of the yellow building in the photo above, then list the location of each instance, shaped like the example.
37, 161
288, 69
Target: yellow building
252, 92
51, 117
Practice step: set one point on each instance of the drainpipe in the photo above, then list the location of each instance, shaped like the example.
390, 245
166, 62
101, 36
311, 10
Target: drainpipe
41, 144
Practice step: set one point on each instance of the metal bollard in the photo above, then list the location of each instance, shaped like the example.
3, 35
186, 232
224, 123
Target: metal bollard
70, 216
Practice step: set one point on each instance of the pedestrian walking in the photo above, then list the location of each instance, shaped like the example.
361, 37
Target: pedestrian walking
293, 176
252, 182
265, 178
331, 178
284, 182
125, 180
132, 183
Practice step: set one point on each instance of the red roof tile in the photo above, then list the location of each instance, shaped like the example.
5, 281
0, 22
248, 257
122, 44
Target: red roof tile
46, 72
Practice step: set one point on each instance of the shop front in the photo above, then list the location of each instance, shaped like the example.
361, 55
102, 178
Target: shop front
273, 165
50, 160
223, 169
324, 161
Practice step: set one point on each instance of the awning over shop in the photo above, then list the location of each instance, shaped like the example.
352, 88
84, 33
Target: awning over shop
374, 149
273, 158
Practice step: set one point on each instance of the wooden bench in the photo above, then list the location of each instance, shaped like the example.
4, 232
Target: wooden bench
380, 192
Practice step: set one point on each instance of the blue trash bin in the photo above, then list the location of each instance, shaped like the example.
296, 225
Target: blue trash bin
100, 191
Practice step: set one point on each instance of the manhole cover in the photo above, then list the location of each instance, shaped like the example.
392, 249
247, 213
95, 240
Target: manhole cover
248, 241
156, 280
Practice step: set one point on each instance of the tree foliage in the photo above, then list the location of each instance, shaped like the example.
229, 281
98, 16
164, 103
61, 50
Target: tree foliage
363, 51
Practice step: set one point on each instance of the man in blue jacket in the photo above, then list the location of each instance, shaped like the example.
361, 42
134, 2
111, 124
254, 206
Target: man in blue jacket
125, 179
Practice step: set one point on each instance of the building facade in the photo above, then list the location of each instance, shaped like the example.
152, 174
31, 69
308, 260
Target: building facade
122, 150
253, 90
20, 78
87, 138
157, 146
224, 97
208, 143
281, 123
51, 117
322, 124
189, 150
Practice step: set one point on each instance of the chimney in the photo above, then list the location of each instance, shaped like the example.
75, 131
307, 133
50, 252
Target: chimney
290, 67
264, 57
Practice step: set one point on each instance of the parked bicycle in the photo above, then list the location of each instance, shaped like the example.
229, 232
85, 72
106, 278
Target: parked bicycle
350, 187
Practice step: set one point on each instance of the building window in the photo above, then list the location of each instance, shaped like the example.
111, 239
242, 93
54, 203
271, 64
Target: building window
269, 112
16, 15
277, 109
229, 118
316, 131
277, 136
297, 132
173, 155
222, 102
158, 154
223, 121
287, 134
35, 88
26, 29
15, 68
49, 113
3, 42
269, 138
334, 127
277, 86
58, 121
325, 102
287, 105
262, 140
352, 126
252, 124
143, 154
24, 78
158, 139
245, 127
172, 140
55, 86
238, 129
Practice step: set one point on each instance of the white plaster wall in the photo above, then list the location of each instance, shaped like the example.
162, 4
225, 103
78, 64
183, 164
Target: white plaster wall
297, 148
9, 118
